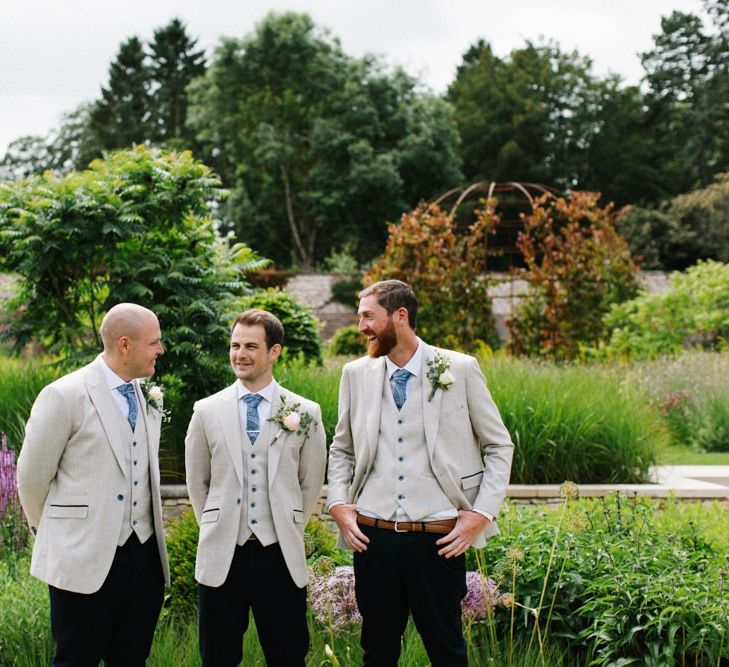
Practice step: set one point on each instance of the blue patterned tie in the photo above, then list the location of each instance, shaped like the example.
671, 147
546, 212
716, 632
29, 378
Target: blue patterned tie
127, 390
398, 381
253, 426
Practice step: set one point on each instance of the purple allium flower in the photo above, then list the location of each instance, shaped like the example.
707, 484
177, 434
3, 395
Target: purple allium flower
13, 528
333, 601
480, 592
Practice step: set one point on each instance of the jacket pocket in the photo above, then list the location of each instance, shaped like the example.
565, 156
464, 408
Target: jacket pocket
67, 511
210, 516
298, 516
469, 481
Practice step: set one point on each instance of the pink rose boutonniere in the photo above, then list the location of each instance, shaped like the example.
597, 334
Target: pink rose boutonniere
289, 418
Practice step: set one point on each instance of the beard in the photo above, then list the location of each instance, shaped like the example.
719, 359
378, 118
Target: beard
384, 341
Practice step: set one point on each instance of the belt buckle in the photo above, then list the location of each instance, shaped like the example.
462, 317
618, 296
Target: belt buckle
397, 530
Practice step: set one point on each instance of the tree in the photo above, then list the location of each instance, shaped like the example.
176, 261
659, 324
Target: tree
528, 117
318, 147
687, 72
174, 62
122, 117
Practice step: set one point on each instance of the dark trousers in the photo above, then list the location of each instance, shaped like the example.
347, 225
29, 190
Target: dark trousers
258, 579
117, 622
401, 573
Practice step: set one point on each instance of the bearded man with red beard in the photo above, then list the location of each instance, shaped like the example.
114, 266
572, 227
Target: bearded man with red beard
418, 470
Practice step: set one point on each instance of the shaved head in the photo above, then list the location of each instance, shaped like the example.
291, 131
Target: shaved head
124, 319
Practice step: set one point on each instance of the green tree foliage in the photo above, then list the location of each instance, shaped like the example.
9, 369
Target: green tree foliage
687, 72
319, 147
447, 271
695, 311
174, 62
527, 117
122, 116
301, 328
682, 231
577, 267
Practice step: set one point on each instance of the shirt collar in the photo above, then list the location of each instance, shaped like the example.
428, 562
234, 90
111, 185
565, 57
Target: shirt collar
266, 393
413, 365
112, 379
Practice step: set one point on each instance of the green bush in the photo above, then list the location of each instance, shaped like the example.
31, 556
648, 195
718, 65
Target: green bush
348, 341
182, 538
574, 422
693, 313
626, 581
301, 328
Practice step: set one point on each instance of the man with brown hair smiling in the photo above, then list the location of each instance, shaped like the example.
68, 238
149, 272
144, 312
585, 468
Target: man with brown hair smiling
418, 470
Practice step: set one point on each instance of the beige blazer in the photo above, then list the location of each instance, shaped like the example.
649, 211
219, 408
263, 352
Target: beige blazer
214, 471
469, 448
72, 479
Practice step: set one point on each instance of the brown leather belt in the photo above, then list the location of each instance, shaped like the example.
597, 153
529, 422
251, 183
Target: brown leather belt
442, 527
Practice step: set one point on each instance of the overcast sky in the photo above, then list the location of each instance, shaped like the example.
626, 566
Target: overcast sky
55, 54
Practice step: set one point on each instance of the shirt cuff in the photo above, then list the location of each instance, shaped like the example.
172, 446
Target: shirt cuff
334, 503
488, 515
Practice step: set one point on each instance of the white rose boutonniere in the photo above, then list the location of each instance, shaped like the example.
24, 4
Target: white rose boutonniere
439, 374
289, 418
154, 396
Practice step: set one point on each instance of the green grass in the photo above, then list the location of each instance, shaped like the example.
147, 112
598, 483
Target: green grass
684, 455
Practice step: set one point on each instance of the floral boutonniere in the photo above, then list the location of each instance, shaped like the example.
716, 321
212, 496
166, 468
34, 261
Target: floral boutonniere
439, 374
154, 397
289, 418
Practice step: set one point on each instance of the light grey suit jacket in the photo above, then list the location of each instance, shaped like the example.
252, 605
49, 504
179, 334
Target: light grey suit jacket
214, 471
72, 479
469, 448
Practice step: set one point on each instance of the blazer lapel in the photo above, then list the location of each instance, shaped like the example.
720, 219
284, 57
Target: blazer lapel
153, 425
431, 409
109, 414
370, 393
273, 432
230, 423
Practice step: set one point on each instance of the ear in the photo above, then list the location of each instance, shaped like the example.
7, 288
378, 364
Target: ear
123, 344
401, 316
275, 352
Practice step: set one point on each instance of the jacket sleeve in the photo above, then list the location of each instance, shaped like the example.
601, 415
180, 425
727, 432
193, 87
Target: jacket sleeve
312, 464
197, 463
47, 433
341, 452
494, 441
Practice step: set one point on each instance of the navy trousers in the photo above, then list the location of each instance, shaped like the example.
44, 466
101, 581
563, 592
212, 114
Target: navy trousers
117, 622
258, 579
402, 573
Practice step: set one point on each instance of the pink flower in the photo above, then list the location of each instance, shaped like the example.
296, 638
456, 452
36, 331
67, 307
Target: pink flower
292, 421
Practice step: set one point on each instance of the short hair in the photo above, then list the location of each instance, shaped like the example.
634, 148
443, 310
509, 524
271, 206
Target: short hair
270, 323
394, 294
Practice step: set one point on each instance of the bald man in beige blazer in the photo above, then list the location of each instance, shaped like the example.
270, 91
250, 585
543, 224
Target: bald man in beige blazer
89, 483
255, 461
418, 470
